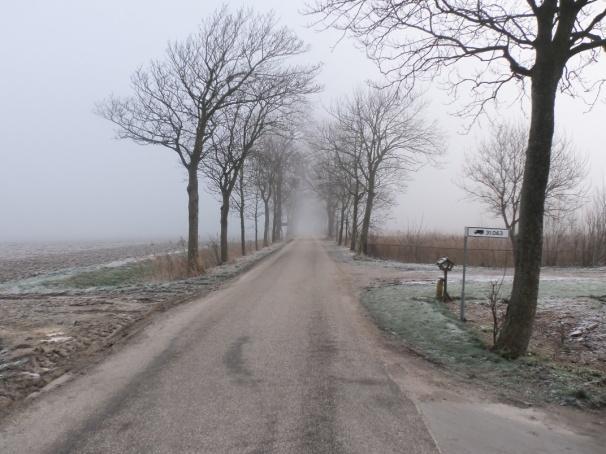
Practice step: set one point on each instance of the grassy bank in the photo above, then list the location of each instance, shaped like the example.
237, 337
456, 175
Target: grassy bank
429, 328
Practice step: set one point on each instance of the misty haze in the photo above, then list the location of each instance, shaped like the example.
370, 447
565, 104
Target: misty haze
317, 226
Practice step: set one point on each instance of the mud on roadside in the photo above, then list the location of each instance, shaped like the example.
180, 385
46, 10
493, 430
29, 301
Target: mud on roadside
58, 322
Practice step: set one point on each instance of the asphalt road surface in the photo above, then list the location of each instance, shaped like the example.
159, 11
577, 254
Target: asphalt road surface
276, 362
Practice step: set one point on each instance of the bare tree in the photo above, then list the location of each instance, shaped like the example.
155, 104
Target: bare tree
262, 175
292, 189
495, 171
337, 170
276, 94
324, 180
371, 143
241, 204
394, 138
549, 42
174, 100
235, 133
255, 214
283, 153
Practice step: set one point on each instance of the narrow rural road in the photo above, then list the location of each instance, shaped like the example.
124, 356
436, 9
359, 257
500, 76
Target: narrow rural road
276, 362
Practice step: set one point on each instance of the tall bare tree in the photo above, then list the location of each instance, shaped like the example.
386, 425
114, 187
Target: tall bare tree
175, 99
280, 92
241, 205
337, 179
548, 42
262, 175
495, 171
283, 152
394, 138
236, 131
341, 140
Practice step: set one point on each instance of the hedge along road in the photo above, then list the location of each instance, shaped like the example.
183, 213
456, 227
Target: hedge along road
276, 362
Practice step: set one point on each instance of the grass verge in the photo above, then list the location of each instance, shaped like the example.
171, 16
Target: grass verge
430, 329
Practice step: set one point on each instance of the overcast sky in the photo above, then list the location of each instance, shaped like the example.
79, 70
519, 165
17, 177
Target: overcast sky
63, 176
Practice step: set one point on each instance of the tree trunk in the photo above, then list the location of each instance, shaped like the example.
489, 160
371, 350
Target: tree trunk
224, 215
341, 223
370, 198
346, 239
354, 220
256, 222
512, 238
242, 231
274, 226
192, 207
517, 329
266, 226
277, 230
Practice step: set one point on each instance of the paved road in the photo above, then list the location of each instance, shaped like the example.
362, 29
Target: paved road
276, 362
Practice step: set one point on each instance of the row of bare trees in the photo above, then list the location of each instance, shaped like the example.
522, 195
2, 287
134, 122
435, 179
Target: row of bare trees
269, 183
212, 99
542, 44
369, 144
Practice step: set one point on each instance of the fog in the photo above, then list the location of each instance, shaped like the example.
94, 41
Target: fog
63, 176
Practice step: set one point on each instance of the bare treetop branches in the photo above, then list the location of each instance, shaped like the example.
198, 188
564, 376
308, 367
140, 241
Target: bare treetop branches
374, 139
235, 59
495, 171
414, 40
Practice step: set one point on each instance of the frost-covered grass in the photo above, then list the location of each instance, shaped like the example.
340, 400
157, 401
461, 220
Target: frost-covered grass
152, 270
410, 312
401, 301
129, 274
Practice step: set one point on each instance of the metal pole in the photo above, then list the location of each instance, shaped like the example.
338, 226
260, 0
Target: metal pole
463, 284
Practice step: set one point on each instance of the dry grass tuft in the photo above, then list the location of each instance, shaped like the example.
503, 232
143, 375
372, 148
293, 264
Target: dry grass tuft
428, 247
170, 267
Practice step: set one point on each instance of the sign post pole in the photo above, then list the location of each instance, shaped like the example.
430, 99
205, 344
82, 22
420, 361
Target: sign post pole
462, 315
481, 232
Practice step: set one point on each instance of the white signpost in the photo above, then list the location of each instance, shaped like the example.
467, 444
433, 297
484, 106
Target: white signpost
478, 232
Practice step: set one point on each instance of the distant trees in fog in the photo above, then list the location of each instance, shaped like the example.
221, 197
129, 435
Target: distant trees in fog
211, 98
372, 140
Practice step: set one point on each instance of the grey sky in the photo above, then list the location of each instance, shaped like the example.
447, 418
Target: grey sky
63, 176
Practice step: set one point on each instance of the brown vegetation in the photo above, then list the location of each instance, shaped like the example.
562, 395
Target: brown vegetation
171, 267
575, 244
